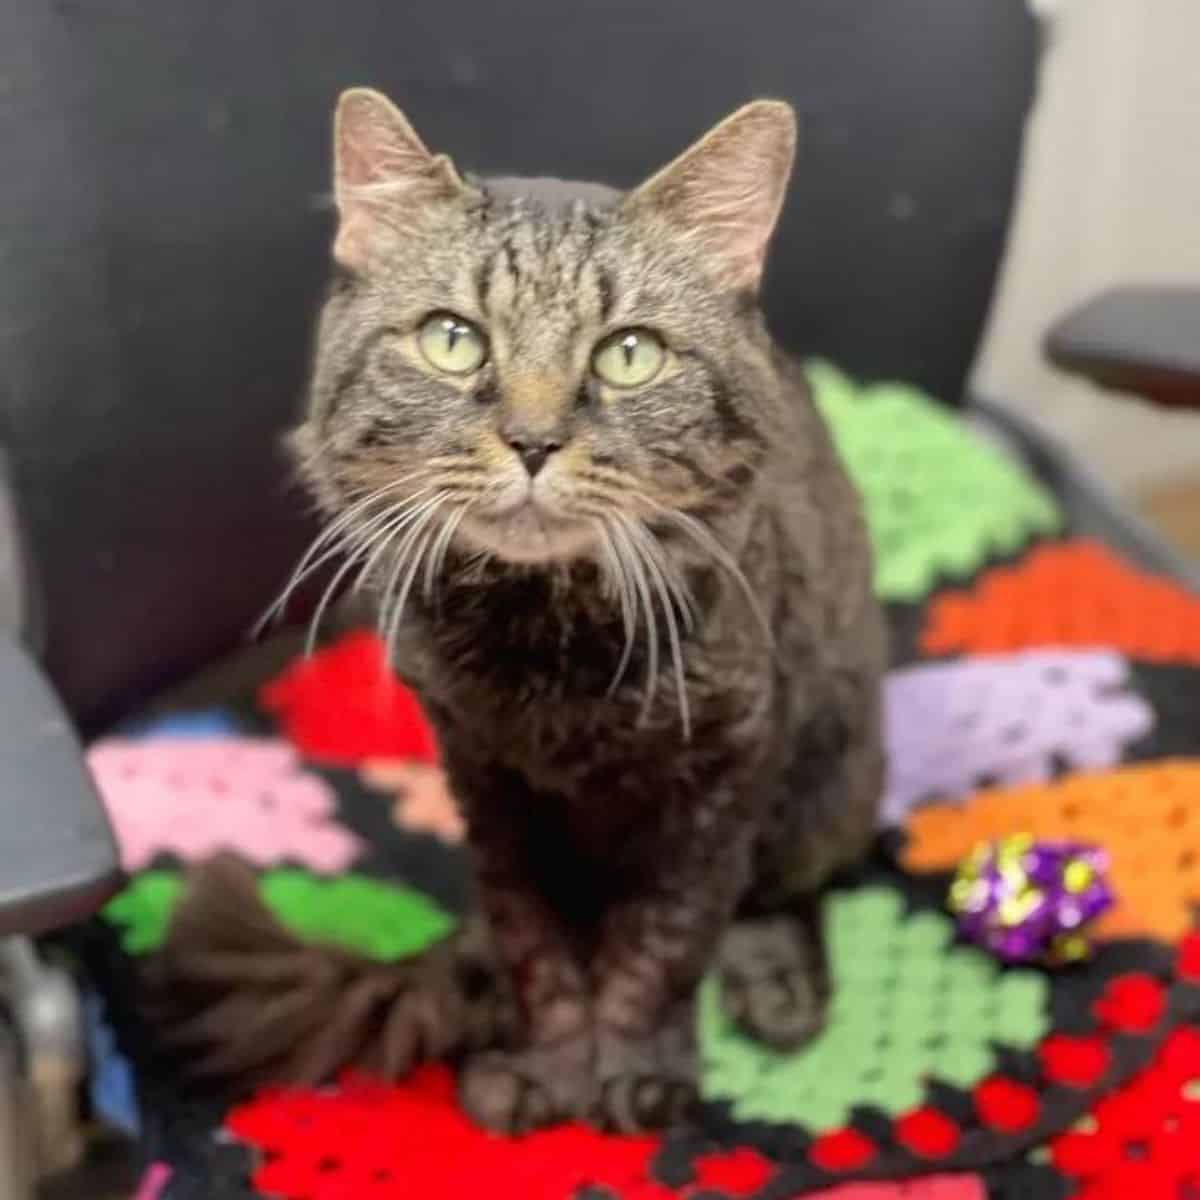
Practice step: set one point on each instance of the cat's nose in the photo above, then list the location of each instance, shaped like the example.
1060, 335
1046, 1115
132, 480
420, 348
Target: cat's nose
532, 450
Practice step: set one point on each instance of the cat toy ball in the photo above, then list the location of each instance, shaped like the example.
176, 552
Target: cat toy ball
1026, 900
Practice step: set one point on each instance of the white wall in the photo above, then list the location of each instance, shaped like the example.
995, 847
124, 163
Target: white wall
1110, 194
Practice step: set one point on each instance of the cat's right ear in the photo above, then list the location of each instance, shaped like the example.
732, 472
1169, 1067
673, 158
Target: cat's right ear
383, 172
727, 190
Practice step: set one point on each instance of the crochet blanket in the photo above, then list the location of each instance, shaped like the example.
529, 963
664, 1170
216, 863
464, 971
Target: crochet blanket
1039, 684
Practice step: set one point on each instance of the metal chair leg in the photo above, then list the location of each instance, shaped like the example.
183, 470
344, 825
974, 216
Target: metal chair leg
48, 1029
16, 1141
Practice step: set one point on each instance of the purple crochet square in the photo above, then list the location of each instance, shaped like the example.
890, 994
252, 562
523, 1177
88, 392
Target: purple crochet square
953, 727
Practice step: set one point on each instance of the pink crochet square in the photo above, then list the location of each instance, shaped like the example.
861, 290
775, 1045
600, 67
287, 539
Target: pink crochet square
194, 798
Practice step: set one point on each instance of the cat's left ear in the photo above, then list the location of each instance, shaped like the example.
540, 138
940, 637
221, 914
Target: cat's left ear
728, 188
383, 172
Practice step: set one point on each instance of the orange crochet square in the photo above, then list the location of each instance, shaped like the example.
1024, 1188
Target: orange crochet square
1072, 594
1146, 817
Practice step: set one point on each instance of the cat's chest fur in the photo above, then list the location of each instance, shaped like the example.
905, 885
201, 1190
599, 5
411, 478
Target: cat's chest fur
522, 672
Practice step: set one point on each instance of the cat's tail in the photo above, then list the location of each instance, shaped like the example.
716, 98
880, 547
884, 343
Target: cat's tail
244, 1001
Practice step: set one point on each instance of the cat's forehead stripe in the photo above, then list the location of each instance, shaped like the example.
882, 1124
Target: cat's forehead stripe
542, 263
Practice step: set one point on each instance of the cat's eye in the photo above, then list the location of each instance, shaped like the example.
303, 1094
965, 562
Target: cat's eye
452, 344
629, 358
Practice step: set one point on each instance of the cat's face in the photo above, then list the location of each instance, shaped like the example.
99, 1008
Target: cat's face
535, 370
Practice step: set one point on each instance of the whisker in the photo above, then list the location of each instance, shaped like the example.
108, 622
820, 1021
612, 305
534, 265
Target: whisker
424, 528
441, 547
624, 590
358, 507
460, 484
477, 564
603, 474
306, 566
704, 537
657, 578
331, 589
638, 573
417, 522
680, 592
383, 539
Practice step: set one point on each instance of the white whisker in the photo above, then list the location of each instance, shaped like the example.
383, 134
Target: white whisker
654, 570
424, 530
409, 515
383, 538
624, 591
680, 592
441, 546
417, 522
633, 557
706, 540
331, 590
332, 532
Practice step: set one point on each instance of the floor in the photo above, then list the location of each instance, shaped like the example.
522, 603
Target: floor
1174, 509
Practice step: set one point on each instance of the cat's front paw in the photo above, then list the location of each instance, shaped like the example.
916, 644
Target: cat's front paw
645, 1082
516, 1091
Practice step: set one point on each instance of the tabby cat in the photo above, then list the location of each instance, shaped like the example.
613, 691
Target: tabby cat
617, 557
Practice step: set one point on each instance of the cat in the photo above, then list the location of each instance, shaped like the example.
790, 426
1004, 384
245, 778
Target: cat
617, 557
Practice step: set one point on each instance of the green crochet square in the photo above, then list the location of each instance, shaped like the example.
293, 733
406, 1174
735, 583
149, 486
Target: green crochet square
907, 1004
143, 910
939, 501
383, 921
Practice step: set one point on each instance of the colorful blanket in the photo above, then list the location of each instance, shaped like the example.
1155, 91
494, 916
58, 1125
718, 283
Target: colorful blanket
1040, 685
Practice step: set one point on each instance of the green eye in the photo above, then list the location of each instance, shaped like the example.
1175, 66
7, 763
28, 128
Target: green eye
452, 344
629, 358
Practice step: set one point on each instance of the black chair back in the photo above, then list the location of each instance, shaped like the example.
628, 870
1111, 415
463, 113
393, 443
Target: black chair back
163, 233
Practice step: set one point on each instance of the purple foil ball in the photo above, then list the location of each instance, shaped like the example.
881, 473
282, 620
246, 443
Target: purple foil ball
1031, 901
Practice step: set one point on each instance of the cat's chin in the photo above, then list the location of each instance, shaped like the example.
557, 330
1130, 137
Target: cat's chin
529, 536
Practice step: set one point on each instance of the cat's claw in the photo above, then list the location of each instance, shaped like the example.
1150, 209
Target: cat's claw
644, 1083
517, 1091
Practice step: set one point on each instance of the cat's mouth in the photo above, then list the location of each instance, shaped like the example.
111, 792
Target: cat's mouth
529, 532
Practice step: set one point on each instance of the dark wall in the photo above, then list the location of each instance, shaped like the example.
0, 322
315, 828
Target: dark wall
163, 229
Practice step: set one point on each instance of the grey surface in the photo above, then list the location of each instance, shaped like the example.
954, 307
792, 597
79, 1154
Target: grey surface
12, 582
1136, 339
164, 223
58, 860
1090, 507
